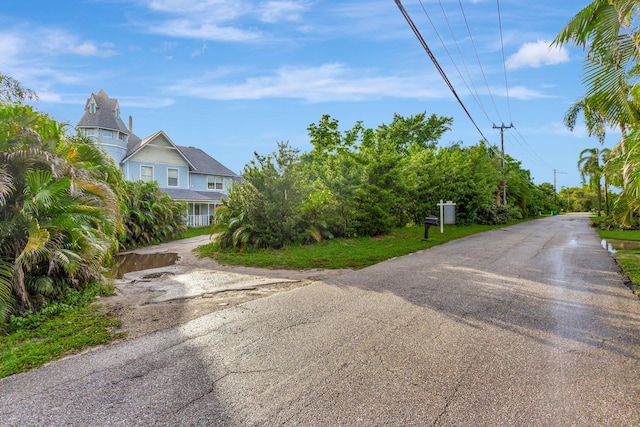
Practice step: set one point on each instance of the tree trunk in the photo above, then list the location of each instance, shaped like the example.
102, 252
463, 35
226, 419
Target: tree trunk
19, 288
606, 197
599, 199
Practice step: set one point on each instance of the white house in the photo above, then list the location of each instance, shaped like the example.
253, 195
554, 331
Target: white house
187, 174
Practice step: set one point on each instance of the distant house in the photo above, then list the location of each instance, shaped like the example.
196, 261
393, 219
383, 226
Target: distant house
187, 174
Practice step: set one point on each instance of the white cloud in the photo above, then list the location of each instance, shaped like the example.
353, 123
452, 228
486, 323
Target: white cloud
221, 20
203, 30
216, 10
29, 42
199, 51
329, 82
275, 11
536, 55
144, 101
89, 49
521, 92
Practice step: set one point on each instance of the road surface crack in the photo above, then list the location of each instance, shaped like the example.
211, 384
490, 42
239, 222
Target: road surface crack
452, 397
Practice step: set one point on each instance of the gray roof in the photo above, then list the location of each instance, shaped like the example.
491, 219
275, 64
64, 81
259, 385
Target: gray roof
105, 116
194, 196
204, 163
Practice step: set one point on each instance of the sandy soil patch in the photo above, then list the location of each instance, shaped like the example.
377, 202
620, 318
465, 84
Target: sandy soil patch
155, 299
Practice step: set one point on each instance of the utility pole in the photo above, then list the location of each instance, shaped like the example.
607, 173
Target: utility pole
555, 191
502, 127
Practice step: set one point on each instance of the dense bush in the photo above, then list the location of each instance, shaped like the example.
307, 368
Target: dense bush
59, 216
150, 215
364, 182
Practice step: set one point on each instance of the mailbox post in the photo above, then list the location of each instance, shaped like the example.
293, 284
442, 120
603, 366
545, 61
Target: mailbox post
428, 222
447, 213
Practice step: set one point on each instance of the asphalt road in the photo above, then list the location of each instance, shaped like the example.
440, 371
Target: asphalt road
529, 325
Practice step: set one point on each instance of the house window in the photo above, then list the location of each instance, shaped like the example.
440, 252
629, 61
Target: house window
107, 133
90, 132
214, 183
92, 108
172, 177
146, 173
121, 136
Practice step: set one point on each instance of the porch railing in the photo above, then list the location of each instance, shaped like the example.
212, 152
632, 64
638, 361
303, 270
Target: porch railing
199, 220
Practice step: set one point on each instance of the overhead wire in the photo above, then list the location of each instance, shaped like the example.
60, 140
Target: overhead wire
474, 92
484, 76
504, 62
436, 64
517, 137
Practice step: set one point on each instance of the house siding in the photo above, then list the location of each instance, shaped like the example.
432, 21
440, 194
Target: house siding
199, 182
160, 172
158, 151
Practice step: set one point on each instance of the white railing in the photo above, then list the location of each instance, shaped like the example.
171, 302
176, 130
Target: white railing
198, 221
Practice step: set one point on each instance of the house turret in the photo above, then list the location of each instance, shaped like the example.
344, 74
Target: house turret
102, 123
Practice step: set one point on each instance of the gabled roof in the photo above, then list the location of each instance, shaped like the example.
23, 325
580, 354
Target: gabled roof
105, 116
135, 148
204, 163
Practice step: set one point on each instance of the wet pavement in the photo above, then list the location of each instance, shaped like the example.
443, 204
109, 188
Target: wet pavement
524, 325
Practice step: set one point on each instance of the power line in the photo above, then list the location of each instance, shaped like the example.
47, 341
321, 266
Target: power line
504, 62
474, 92
437, 65
478, 59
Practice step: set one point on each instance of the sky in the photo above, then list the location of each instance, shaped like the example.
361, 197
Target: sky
235, 77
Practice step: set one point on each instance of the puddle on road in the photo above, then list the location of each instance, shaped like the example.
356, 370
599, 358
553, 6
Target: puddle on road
608, 246
126, 263
625, 245
620, 245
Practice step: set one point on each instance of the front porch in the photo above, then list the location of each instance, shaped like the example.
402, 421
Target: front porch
200, 214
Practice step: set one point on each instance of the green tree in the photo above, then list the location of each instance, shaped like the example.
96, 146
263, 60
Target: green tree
150, 215
266, 209
608, 31
59, 219
590, 167
594, 119
418, 130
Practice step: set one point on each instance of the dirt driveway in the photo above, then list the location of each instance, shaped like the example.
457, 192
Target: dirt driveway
154, 299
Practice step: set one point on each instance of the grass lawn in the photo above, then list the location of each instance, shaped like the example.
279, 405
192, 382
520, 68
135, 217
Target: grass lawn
631, 235
58, 330
628, 259
342, 253
193, 232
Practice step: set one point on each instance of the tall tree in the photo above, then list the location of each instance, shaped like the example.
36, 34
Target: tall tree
607, 30
590, 167
59, 219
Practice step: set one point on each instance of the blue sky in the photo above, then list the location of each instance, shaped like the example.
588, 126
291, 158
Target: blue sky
234, 77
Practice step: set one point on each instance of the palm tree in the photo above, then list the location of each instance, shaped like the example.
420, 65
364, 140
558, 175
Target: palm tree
594, 119
605, 155
608, 31
589, 166
623, 170
605, 28
59, 220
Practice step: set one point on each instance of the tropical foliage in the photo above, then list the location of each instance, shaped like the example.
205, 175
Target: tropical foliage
366, 182
150, 216
64, 208
608, 31
59, 219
